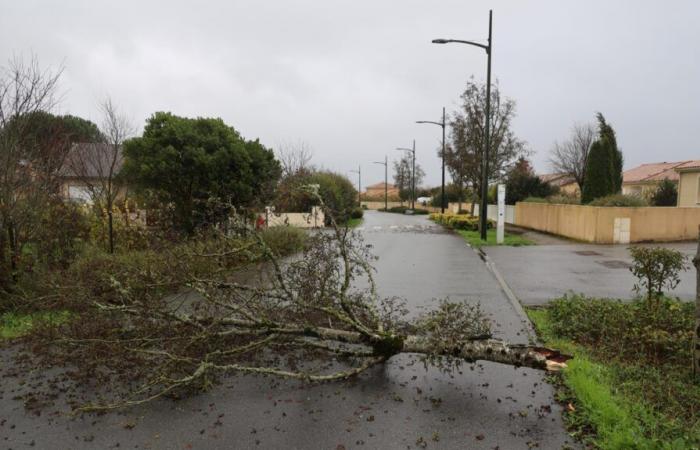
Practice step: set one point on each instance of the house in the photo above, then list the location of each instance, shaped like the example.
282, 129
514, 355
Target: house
688, 175
86, 168
376, 191
566, 183
643, 179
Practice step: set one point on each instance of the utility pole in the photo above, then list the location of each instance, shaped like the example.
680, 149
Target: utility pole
440, 124
487, 133
359, 185
386, 181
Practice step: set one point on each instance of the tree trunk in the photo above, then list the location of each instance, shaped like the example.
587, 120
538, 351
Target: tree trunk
14, 250
110, 224
696, 337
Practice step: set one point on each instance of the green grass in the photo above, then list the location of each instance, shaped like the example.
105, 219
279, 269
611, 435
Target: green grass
14, 325
474, 238
614, 403
352, 223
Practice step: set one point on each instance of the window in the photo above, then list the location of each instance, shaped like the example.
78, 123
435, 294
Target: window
79, 194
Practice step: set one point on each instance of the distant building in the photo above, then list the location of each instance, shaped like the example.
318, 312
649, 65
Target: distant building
376, 191
688, 183
643, 179
566, 183
86, 165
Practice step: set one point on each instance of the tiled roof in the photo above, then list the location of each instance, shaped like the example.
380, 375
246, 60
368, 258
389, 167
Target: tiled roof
92, 160
653, 172
694, 164
380, 186
557, 179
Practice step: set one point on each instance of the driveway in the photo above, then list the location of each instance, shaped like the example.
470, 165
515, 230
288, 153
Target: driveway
401, 405
540, 273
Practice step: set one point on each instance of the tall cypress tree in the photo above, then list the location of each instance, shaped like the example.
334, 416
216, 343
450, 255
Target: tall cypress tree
607, 133
598, 182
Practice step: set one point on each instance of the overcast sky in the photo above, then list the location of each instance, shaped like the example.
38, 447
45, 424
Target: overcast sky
350, 77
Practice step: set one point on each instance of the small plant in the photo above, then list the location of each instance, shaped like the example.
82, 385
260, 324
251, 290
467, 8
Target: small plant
656, 269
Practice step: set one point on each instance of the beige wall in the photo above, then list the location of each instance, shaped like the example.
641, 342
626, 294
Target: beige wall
640, 189
597, 224
570, 189
688, 189
314, 219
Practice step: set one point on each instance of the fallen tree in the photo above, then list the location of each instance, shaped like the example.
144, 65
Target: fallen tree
296, 319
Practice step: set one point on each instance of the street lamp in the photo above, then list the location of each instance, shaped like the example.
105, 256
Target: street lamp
386, 181
413, 176
440, 124
359, 184
485, 163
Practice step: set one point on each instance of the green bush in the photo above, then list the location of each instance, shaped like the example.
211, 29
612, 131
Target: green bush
403, 209
284, 240
666, 194
619, 200
630, 332
560, 199
656, 269
356, 213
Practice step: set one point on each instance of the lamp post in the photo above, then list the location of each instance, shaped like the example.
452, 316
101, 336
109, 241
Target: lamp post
386, 181
487, 134
441, 124
359, 185
413, 170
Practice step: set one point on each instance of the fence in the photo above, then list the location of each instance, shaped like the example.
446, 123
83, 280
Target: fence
607, 225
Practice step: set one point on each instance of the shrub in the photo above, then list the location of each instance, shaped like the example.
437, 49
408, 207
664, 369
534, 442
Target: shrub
656, 268
403, 209
666, 194
632, 332
284, 240
560, 199
619, 200
59, 237
459, 221
356, 213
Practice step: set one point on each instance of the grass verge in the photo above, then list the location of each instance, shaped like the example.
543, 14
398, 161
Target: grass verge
474, 238
622, 404
14, 325
353, 223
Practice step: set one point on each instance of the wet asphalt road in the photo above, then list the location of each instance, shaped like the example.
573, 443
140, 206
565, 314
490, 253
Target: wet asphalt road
399, 405
540, 273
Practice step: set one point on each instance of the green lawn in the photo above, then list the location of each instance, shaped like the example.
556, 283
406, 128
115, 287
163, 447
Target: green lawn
13, 325
474, 239
621, 405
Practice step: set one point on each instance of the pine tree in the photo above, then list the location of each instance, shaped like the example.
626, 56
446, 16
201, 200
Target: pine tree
599, 181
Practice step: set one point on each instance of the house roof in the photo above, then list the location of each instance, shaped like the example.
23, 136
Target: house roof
653, 172
557, 179
689, 165
91, 160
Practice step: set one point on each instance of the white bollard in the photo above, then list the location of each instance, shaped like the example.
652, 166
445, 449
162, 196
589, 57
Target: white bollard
500, 230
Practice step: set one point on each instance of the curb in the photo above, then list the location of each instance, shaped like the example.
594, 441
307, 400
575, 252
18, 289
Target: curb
512, 298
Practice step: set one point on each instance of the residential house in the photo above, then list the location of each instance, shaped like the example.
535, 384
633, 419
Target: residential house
86, 167
566, 183
644, 179
688, 175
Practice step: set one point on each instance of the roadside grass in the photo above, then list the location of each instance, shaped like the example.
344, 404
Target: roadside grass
622, 403
14, 325
353, 223
474, 239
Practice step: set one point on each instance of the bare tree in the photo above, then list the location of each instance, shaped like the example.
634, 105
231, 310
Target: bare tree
97, 164
28, 165
301, 317
464, 154
571, 156
294, 157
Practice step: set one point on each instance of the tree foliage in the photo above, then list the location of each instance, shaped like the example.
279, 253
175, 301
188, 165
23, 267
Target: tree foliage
656, 269
463, 155
521, 183
186, 162
403, 176
666, 194
604, 165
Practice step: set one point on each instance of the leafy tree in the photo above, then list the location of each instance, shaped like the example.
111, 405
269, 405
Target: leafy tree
453, 194
666, 194
188, 162
521, 183
463, 155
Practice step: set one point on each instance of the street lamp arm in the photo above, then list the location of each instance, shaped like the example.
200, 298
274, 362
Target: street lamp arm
405, 149
458, 41
440, 124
